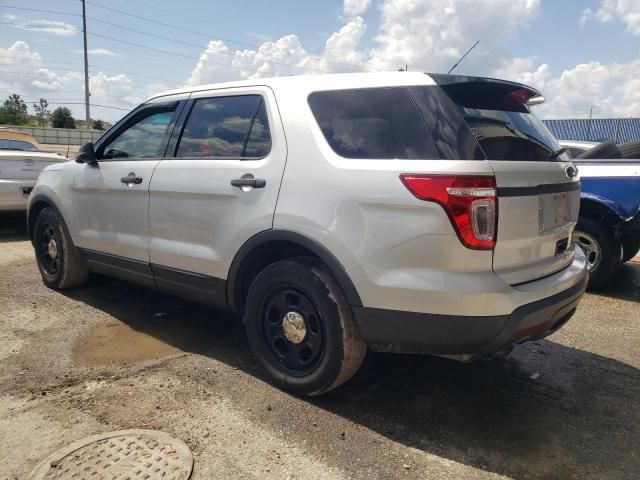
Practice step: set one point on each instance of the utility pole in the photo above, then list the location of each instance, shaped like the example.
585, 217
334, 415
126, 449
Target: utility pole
86, 67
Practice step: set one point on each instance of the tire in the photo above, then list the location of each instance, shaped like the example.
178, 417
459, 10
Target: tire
60, 263
325, 350
603, 251
602, 150
630, 248
630, 150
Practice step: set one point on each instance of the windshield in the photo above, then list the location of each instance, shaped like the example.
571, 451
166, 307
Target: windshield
16, 145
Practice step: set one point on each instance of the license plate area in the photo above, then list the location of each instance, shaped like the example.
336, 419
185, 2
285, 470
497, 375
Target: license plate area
554, 211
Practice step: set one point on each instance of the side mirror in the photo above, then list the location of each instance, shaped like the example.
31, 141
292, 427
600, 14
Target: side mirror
86, 154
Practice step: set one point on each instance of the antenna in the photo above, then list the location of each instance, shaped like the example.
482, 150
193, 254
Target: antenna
463, 57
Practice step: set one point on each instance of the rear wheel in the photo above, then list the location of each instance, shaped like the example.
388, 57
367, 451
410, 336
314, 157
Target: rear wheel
602, 249
630, 248
58, 259
301, 329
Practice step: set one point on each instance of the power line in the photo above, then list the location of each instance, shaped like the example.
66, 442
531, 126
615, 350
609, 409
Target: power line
189, 44
59, 101
13, 7
157, 22
195, 32
29, 98
208, 36
102, 67
39, 60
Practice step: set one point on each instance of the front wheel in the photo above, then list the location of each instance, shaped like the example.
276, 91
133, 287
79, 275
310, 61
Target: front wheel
59, 261
602, 249
301, 329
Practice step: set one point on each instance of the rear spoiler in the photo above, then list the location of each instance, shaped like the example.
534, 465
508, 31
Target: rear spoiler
487, 93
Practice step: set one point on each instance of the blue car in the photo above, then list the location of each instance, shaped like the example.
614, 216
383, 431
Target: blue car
608, 228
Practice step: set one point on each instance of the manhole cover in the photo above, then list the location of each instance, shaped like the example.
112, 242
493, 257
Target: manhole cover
127, 454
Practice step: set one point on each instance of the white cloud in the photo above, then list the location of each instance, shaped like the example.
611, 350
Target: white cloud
351, 8
9, 16
20, 53
98, 52
613, 90
54, 27
431, 35
524, 70
23, 73
282, 57
625, 11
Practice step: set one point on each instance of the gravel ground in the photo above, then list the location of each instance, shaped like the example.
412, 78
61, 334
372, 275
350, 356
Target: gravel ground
112, 356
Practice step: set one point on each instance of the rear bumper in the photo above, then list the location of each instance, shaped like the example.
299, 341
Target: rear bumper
14, 194
411, 332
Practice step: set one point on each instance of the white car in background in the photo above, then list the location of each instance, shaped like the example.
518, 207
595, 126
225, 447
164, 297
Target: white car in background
21, 161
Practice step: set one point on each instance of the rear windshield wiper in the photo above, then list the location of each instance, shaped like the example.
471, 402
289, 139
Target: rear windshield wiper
557, 153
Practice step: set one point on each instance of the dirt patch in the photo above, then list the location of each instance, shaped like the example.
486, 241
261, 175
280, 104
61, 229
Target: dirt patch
119, 343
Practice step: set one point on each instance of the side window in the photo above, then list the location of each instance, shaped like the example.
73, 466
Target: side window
226, 127
379, 123
259, 142
142, 139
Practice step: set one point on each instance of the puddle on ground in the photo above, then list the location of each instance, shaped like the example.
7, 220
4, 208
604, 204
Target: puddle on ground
118, 342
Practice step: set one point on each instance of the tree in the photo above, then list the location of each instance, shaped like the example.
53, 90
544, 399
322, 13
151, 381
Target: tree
97, 124
42, 111
14, 111
62, 118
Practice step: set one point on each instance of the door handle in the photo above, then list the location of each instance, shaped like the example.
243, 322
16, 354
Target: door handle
131, 179
248, 182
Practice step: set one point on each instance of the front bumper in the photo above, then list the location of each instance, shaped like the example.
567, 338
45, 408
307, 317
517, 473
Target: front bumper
411, 332
14, 194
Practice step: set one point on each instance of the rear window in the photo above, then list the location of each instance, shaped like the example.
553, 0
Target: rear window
504, 127
16, 145
374, 123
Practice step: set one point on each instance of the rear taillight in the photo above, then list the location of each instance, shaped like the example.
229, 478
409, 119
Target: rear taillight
470, 203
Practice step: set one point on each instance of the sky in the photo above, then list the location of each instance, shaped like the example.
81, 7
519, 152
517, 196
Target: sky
582, 54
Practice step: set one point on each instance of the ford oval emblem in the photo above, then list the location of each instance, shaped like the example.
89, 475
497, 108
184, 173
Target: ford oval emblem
571, 171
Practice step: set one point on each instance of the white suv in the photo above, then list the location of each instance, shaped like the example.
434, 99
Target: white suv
394, 211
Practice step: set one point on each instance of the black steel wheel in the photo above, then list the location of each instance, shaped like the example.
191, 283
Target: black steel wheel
59, 261
294, 331
300, 327
48, 249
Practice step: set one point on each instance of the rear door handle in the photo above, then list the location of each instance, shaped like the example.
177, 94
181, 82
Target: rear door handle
131, 179
248, 182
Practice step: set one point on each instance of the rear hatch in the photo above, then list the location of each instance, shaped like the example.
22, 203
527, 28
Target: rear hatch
25, 165
538, 187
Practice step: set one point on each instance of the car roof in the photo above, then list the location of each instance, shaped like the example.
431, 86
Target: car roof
336, 81
331, 81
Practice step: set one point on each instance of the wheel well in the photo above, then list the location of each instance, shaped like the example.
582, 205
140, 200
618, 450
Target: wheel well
34, 211
260, 257
600, 212
270, 247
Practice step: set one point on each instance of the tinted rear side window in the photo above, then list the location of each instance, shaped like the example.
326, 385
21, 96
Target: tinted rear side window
376, 123
259, 142
222, 128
